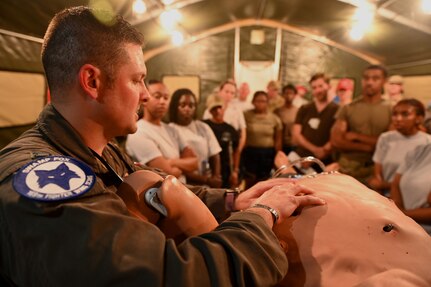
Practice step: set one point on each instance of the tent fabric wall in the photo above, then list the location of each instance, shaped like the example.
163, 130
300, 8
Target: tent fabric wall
302, 57
213, 58
18, 54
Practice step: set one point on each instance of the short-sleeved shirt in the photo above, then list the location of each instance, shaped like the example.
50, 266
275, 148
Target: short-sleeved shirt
287, 116
365, 118
415, 183
315, 126
392, 147
226, 136
233, 115
199, 136
151, 141
261, 129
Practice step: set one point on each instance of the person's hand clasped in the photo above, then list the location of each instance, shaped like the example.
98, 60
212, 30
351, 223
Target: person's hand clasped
284, 199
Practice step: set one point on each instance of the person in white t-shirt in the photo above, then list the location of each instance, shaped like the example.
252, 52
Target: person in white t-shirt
411, 187
392, 146
198, 135
155, 143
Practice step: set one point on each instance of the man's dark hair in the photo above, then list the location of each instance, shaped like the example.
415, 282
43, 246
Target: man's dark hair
319, 76
175, 99
289, 87
378, 67
81, 35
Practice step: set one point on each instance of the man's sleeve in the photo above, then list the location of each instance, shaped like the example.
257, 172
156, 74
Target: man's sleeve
341, 114
299, 116
94, 241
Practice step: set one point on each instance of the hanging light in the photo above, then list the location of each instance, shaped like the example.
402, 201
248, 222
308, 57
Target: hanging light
177, 38
167, 2
362, 21
356, 33
426, 6
170, 18
139, 7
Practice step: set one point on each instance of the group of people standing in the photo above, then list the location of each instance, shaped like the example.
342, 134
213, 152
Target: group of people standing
237, 140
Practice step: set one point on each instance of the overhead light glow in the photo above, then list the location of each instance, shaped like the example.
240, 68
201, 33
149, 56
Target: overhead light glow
167, 2
362, 21
426, 6
170, 18
364, 16
139, 7
356, 33
177, 38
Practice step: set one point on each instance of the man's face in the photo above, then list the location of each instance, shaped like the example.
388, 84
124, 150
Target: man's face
243, 91
373, 81
158, 101
319, 89
227, 92
121, 99
289, 95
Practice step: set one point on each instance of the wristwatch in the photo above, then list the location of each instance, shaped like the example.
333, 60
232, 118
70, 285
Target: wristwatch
230, 196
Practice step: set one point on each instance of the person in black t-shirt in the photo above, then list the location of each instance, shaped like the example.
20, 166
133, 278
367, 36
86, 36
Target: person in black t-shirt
228, 138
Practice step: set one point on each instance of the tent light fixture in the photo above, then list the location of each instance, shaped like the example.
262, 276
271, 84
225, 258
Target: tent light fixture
139, 7
177, 38
356, 33
426, 6
170, 18
167, 2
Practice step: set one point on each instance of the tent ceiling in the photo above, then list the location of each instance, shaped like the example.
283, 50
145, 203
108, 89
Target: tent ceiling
401, 34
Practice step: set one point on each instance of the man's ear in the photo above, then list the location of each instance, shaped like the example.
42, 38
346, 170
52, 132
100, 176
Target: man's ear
89, 79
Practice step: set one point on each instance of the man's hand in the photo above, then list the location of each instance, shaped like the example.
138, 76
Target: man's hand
285, 198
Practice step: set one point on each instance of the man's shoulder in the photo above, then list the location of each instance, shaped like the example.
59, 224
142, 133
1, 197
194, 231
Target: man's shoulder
357, 101
15, 156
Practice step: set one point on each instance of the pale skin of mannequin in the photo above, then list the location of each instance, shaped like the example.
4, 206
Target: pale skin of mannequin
320, 97
99, 112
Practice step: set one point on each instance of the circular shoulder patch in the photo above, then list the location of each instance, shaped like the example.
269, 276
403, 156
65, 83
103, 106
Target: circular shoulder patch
54, 178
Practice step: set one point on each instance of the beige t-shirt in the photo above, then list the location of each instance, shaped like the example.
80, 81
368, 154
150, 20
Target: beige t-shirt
365, 118
261, 129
